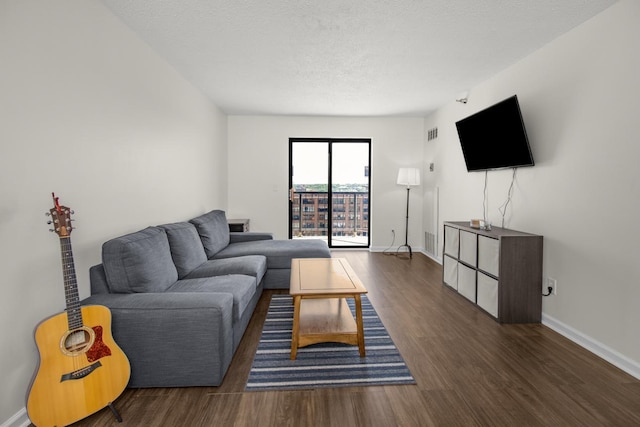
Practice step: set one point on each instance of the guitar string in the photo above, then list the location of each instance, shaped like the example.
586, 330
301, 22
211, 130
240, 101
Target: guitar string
74, 313
71, 292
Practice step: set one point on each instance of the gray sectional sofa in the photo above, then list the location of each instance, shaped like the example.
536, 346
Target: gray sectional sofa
181, 295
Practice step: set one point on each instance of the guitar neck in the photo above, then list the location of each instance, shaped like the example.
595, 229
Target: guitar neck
72, 299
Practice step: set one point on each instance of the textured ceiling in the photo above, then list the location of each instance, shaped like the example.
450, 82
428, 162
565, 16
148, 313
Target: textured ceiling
345, 57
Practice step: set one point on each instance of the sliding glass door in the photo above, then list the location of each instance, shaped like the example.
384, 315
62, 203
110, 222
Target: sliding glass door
329, 183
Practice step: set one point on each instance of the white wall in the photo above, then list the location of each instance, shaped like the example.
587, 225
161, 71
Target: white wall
259, 160
580, 99
90, 112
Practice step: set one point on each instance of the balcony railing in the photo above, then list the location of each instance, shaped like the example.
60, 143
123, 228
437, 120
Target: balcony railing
350, 217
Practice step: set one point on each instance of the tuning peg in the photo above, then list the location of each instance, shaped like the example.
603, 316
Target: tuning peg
51, 230
47, 213
49, 222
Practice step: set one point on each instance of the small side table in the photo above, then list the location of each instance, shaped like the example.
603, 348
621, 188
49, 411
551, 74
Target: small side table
238, 225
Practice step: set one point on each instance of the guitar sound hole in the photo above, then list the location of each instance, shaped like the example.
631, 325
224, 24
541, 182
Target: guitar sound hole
77, 341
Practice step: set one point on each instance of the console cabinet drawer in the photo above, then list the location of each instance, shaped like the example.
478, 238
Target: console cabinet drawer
467, 282
451, 241
450, 269
468, 248
488, 294
489, 255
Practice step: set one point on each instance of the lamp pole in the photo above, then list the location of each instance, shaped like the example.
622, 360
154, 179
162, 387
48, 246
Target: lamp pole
408, 177
406, 228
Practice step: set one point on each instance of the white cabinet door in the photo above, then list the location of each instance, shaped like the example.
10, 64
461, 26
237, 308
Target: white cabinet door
467, 282
489, 255
488, 294
468, 247
451, 241
450, 269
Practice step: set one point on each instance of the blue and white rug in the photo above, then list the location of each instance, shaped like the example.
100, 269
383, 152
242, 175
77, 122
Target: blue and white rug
326, 364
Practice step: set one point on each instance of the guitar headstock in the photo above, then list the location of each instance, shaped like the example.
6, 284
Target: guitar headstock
61, 218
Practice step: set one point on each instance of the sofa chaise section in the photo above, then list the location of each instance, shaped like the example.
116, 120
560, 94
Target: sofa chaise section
220, 244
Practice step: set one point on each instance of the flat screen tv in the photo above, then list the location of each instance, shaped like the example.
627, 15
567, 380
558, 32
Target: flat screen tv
495, 138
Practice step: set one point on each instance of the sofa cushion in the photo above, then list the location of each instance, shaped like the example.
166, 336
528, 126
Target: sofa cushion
186, 247
278, 252
139, 262
250, 265
213, 230
242, 288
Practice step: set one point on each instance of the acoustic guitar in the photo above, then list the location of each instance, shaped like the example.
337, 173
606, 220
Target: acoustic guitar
81, 369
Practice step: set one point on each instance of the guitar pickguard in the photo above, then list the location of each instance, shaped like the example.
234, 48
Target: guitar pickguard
99, 349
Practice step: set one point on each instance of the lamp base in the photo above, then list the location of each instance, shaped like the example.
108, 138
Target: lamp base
405, 246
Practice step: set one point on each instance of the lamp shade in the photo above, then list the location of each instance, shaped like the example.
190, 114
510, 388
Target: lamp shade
409, 176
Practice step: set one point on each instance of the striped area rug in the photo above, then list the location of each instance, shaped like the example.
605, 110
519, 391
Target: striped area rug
326, 364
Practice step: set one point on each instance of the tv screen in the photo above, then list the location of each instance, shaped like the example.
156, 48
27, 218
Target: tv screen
495, 138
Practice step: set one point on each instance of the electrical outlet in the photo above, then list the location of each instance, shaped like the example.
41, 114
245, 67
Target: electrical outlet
549, 286
552, 283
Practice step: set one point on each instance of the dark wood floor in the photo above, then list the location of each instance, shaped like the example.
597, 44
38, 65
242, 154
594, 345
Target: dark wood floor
470, 371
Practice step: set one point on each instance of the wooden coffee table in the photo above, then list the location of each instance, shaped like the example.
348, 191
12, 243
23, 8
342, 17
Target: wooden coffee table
319, 287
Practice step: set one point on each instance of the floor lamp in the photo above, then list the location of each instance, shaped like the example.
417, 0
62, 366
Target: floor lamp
409, 177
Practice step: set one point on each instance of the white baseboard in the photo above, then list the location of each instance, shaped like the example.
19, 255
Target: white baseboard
382, 249
394, 248
629, 366
20, 419
428, 255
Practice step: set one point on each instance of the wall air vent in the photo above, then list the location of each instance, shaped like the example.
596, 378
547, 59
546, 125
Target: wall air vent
432, 134
430, 243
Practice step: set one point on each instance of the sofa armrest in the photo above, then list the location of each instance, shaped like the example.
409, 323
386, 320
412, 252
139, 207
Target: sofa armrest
172, 339
251, 236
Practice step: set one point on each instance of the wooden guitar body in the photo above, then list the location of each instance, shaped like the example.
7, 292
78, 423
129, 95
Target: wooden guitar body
79, 372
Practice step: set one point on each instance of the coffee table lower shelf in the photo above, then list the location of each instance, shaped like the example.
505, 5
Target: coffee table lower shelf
326, 319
